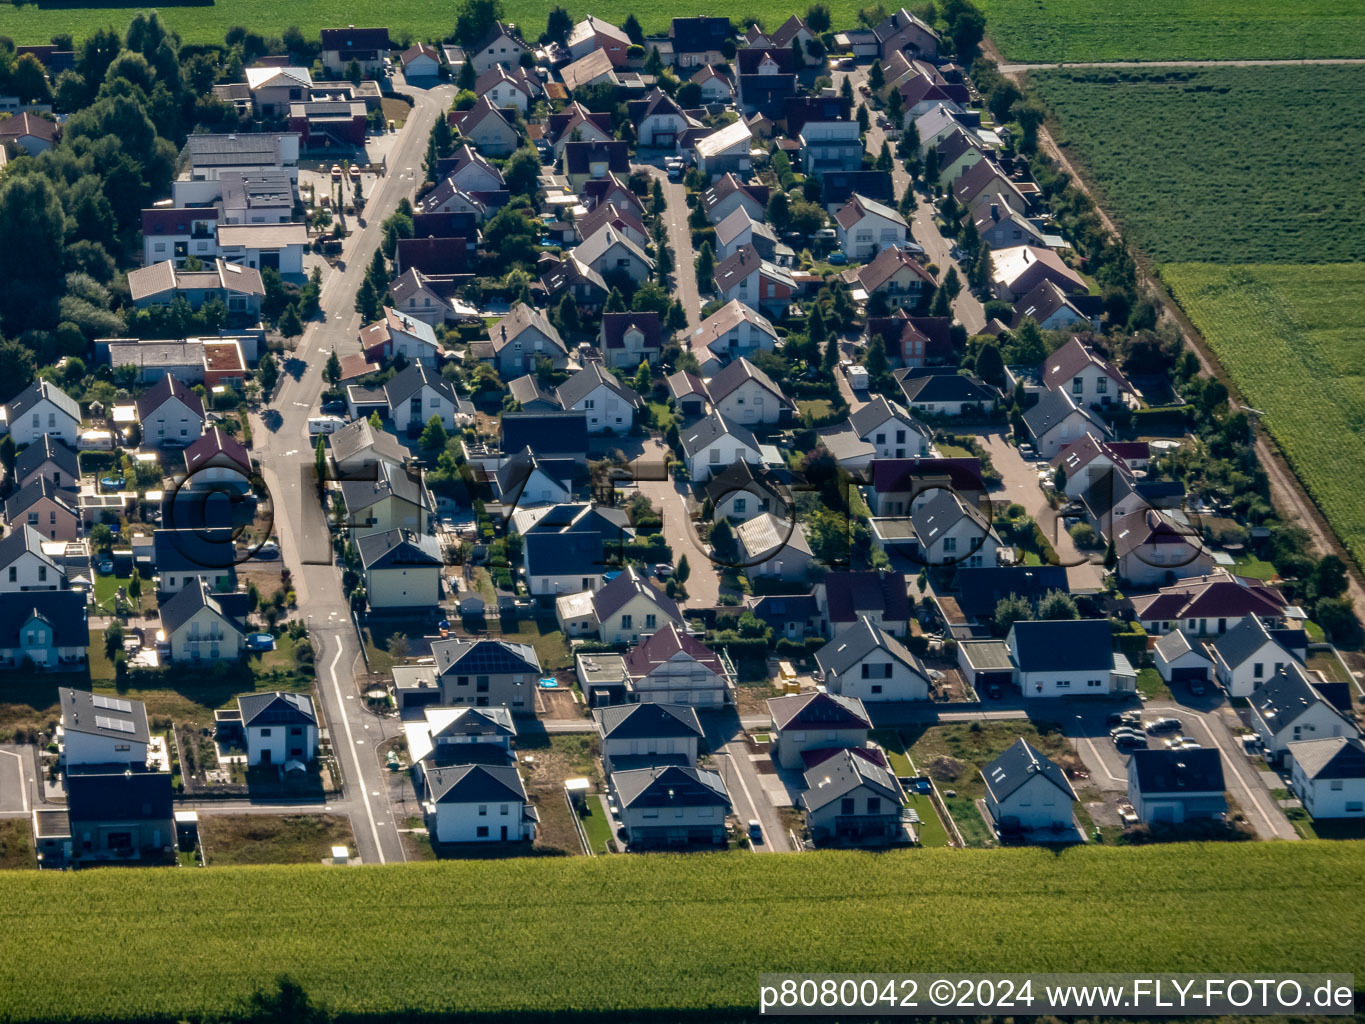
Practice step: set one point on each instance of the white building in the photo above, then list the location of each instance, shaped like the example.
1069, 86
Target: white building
869, 663
1328, 775
279, 727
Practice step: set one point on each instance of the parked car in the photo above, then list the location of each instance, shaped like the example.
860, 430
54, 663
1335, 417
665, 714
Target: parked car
105, 567
1131, 718
1159, 725
334, 407
336, 172
1131, 739
994, 691
1198, 687
1026, 451
837, 258
663, 570
755, 830
269, 551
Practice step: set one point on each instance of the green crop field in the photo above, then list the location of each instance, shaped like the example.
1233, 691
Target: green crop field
1087, 30
1221, 165
659, 932
422, 19
1291, 336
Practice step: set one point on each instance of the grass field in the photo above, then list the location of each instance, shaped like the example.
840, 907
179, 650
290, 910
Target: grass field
1090, 30
16, 844
240, 839
421, 19
1290, 338
666, 932
1220, 165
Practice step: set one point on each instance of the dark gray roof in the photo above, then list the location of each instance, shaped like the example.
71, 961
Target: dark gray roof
35, 393
276, 708
817, 709
389, 480
1159, 771
869, 417
647, 721
745, 476
474, 784
484, 657
670, 786
1052, 408
527, 391
22, 538
710, 429
478, 722
180, 607
855, 644
732, 375
918, 385
615, 594
63, 610
116, 794
1337, 757
1063, 645
404, 385
1242, 641
586, 380
837, 776
545, 433
191, 549
164, 390
566, 554
1286, 695
25, 498
1017, 765
399, 549
980, 590
47, 448
98, 715
944, 511
360, 436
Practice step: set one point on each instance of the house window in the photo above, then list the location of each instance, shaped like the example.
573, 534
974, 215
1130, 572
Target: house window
265, 732
848, 805
1257, 670
876, 671
122, 747
483, 810
13, 574
296, 731
949, 544
1078, 385
1102, 386
1336, 785
739, 510
876, 687
715, 456
481, 684
874, 805
625, 622
481, 832
1063, 684
650, 620
502, 809
42, 574
461, 680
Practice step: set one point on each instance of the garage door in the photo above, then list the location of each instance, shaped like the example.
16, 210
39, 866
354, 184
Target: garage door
271, 260
1163, 814
1190, 674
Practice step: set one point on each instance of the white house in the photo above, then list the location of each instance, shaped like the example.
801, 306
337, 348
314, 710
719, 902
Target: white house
671, 805
197, 627
279, 727
1171, 787
675, 668
744, 394
1056, 421
1247, 656
1328, 775
170, 411
725, 150
630, 608
1087, 377
774, 547
1179, 661
417, 394
640, 735
869, 663
865, 227
502, 45
713, 443
97, 729
475, 803
852, 796
734, 330
526, 480
891, 429
1068, 658
23, 564
402, 569
815, 721
420, 61
951, 531
43, 408
608, 404
1027, 790
1286, 708
1155, 546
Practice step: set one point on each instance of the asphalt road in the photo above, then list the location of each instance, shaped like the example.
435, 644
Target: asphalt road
286, 458
680, 241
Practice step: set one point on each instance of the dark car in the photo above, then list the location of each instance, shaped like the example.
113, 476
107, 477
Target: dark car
335, 405
1160, 725
993, 691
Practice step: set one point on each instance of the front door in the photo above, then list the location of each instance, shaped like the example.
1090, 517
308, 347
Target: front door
265, 757
504, 833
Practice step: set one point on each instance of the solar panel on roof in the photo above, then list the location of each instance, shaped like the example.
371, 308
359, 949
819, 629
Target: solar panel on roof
112, 703
117, 724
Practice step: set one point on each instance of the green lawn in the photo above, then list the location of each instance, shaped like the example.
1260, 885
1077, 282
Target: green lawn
1330, 666
664, 417
546, 637
1250, 565
1328, 828
16, 844
1151, 685
1089, 30
975, 832
1290, 338
107, 586
668, 936
891, 742
596, 824
1173, 151
932, 831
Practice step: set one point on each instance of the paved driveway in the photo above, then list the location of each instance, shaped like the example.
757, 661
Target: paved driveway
680, 240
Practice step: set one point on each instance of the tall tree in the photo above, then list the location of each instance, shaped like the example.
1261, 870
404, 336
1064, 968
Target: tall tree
475, 20
332, 371
558, 25
631, 27
876, 77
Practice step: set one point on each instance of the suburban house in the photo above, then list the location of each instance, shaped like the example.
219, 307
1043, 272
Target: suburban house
170, 411
716, 86
591, 69
474, 803
394, 498
738, 230
521, 338
774, 547
187, 554
895, 274
1179, 661
576, 123
490, 128
24, 566
747, 277
526, 480
43, 408
1172, 787
869, 663
744, 394
1056, 420
115, 813
902, 32
397, 334
614, 255
729, 194
623, 220
367, 47
1246, 656
1087, 462
358, 448
594, 161
50, 459
672, 667
402, 569
1286, 708
803, 722
949, 531
794, 617
1207, 605
725, 150
96, 729
1027, 791
713, 443
417, 393
1068, 658
1328, 776
671, 805
890, 429
239, 288
942, 391
44, 507
702, 40
278, 727
1017, 270
658, 120
452, 736
479, 673
178, 233
46, 629
1000, 226
29, 133
504, 89
197, 627
830, 147
741, 492
608, 404
1089, 379
689, 394
846, 599
1155, 546
502, 45
732, 331
958, 152
851, 796
420, 61
1052, 309
647, 735
628, 339
595, 34
630, 608
865, 227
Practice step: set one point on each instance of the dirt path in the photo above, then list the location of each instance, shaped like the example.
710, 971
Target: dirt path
1286, 492
1013, 69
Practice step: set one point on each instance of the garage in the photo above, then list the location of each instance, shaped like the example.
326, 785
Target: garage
1179, 661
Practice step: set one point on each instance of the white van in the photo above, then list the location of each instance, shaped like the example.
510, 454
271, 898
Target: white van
321, 426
